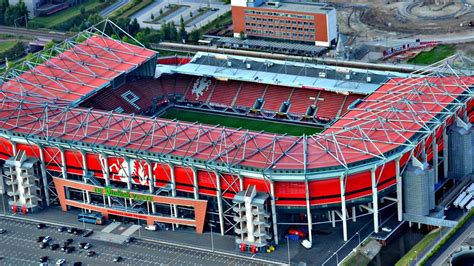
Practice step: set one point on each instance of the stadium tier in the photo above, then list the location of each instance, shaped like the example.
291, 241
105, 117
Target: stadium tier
189, 172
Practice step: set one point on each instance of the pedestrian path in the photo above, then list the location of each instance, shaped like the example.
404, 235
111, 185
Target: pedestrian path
131, 230
109, 228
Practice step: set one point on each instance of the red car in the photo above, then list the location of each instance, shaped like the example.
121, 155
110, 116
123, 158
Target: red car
296, 232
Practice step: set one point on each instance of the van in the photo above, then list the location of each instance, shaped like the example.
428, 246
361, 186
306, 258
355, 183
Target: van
150, 227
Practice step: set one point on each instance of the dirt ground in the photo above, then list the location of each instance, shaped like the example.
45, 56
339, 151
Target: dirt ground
376, 19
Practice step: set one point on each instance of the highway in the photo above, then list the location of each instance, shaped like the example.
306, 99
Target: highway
54, 35
18, 246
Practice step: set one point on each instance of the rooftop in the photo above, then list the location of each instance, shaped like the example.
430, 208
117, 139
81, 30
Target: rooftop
317, 8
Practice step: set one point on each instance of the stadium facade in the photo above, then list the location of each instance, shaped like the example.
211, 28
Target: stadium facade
116, 161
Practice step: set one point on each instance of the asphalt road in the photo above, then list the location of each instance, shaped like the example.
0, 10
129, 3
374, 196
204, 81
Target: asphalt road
18, 246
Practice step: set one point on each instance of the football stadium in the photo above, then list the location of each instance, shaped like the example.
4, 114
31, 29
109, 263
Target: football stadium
250, 145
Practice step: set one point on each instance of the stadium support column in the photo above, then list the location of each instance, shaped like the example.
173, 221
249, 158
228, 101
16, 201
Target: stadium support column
151, 185
399, 189
14, 149
129, 176
435, 156
241, 182
274, 213
84, 174
343, 206
63, 169
375, 202
445, 150
308, 212
44, 175
174, 208
195, 183
106, 172
219, 201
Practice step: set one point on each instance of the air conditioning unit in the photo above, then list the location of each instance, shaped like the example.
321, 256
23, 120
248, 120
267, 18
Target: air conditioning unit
229, 64
248, 66
322, 74
348, 76
369, 79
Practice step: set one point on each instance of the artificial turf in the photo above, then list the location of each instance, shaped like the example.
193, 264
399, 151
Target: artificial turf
253, 124
436, 54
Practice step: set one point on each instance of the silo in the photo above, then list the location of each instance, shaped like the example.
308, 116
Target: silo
415, 190
460, 151
431, 186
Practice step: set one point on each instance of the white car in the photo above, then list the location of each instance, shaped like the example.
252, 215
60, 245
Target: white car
150, 227
305, 243
386, 229
60, 262
46, 239
87, 246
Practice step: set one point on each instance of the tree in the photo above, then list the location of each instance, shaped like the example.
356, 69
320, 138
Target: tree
3, 9
183, 35
94, 19
48, 45
195, 35
173, 32
152, 17
161, 11
134, 27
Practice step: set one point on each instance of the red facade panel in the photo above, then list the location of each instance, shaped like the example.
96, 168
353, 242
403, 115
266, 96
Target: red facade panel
184, 178
6, 149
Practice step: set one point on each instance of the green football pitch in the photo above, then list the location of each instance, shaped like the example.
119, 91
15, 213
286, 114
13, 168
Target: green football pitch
239, 122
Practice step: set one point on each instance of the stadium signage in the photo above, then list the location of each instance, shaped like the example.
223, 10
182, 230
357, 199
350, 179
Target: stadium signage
109, 191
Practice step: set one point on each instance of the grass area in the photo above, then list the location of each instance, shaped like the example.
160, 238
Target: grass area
131, 8
419, 247
6, 45
436, 54
356, 258
201, 11
64, 15
171, 9
220, 21
237, 122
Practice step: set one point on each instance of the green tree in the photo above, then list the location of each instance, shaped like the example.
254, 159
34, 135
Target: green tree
183, 35
152, 17
3, 9
195, 35
48, 45
134, 27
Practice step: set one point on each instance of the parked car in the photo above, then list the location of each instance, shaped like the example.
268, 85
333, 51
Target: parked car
44, 259
54, 246
118, 259
2, 231
39, 239
61, 229
90, 253
68, 241
40, 226
46, 239
43, 245
151, 227
386, 229
87, 246
70, 249
60, 262
77, 263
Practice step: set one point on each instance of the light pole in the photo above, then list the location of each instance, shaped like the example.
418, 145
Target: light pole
357, 233
416, 257
288, 246
83, 219
212, 237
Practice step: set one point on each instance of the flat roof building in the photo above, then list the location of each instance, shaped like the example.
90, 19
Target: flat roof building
300, 22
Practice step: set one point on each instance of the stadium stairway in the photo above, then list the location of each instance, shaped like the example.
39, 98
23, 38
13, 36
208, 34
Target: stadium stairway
249, 93
275, 96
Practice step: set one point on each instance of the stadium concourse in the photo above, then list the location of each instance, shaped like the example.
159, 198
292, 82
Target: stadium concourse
87, 112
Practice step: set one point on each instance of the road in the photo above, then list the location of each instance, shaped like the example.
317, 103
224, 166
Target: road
460, 237
108, 10
18, 246
57, 36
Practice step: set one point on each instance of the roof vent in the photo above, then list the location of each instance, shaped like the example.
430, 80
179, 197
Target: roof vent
248, 66
229, 64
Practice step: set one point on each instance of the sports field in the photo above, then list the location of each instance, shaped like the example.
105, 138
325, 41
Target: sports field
238, 122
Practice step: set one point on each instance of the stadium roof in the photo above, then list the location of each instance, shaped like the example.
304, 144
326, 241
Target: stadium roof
70, 72
392, 120
285, 73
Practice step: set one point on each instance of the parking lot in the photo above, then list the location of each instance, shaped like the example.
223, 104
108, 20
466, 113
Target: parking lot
19, 246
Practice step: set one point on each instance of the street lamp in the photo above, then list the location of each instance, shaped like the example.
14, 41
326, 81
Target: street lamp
288, 246
357, 233
212, 237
